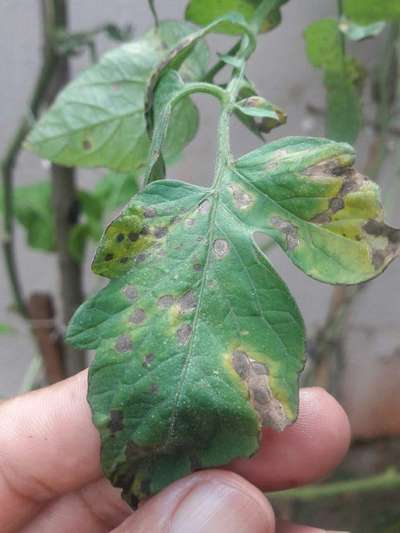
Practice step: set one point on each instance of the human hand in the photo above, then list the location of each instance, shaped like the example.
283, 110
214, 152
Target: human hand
51, 480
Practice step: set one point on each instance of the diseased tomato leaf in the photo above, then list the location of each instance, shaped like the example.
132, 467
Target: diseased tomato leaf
98, 119
199, 342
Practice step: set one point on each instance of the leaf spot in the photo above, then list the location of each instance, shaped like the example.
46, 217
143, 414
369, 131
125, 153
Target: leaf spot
124, 344
188, 301
138, 316
87, 145
116, 422
120, 237
150, 212
242, 199
336, 204
240, 362
160, 232
108, 257
289, 230
378, 258
165, 301
124, 260
184, 333
154, 388
140, 258
221, 248
197, 267
132, 236
130, 292
148, 359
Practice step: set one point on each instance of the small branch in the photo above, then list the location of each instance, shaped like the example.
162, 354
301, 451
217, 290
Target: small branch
49, 340
154, 13
7, 169
389, 480
65, 199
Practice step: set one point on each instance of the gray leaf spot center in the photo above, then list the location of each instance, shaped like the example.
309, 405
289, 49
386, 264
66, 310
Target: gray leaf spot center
221, 248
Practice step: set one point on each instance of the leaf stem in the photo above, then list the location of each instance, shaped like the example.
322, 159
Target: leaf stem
342, 37
160, 130
154, 13
388, 480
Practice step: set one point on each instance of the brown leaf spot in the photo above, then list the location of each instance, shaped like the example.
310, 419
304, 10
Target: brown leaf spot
165, 301
124, 344
116, 422
108, 257
378, 259
336, 204
160, 232
148, 359
188, 301
241, 364
124, 260
184, 333
150, 212
120, 237
197, 267
138, 316
241, 198
221, 248
289, 230
132, 236
130, 292
87, 145
140, 258
259, 368
154, 388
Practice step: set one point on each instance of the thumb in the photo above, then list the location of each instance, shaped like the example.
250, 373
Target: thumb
212, 501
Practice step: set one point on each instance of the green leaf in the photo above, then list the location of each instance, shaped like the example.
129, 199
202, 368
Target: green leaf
358, 32
199, 342
115, 189
367, 11
324, 50
203, 12
6, 329
34, 211
98, 119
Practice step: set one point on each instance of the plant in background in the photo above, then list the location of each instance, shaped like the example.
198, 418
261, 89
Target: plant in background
199, 342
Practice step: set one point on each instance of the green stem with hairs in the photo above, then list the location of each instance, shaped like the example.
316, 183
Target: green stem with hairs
389, 480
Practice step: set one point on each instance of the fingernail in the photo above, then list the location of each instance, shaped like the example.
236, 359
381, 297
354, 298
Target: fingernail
215, 507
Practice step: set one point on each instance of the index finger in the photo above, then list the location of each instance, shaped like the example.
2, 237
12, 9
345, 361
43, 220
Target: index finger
48, 447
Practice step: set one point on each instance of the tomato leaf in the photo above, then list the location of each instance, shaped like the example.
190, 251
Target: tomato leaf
203, 12
199, 342
98, 119
367, 11
342, 78
34, 211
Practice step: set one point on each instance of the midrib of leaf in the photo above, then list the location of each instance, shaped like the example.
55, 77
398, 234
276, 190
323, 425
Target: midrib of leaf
221, 165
